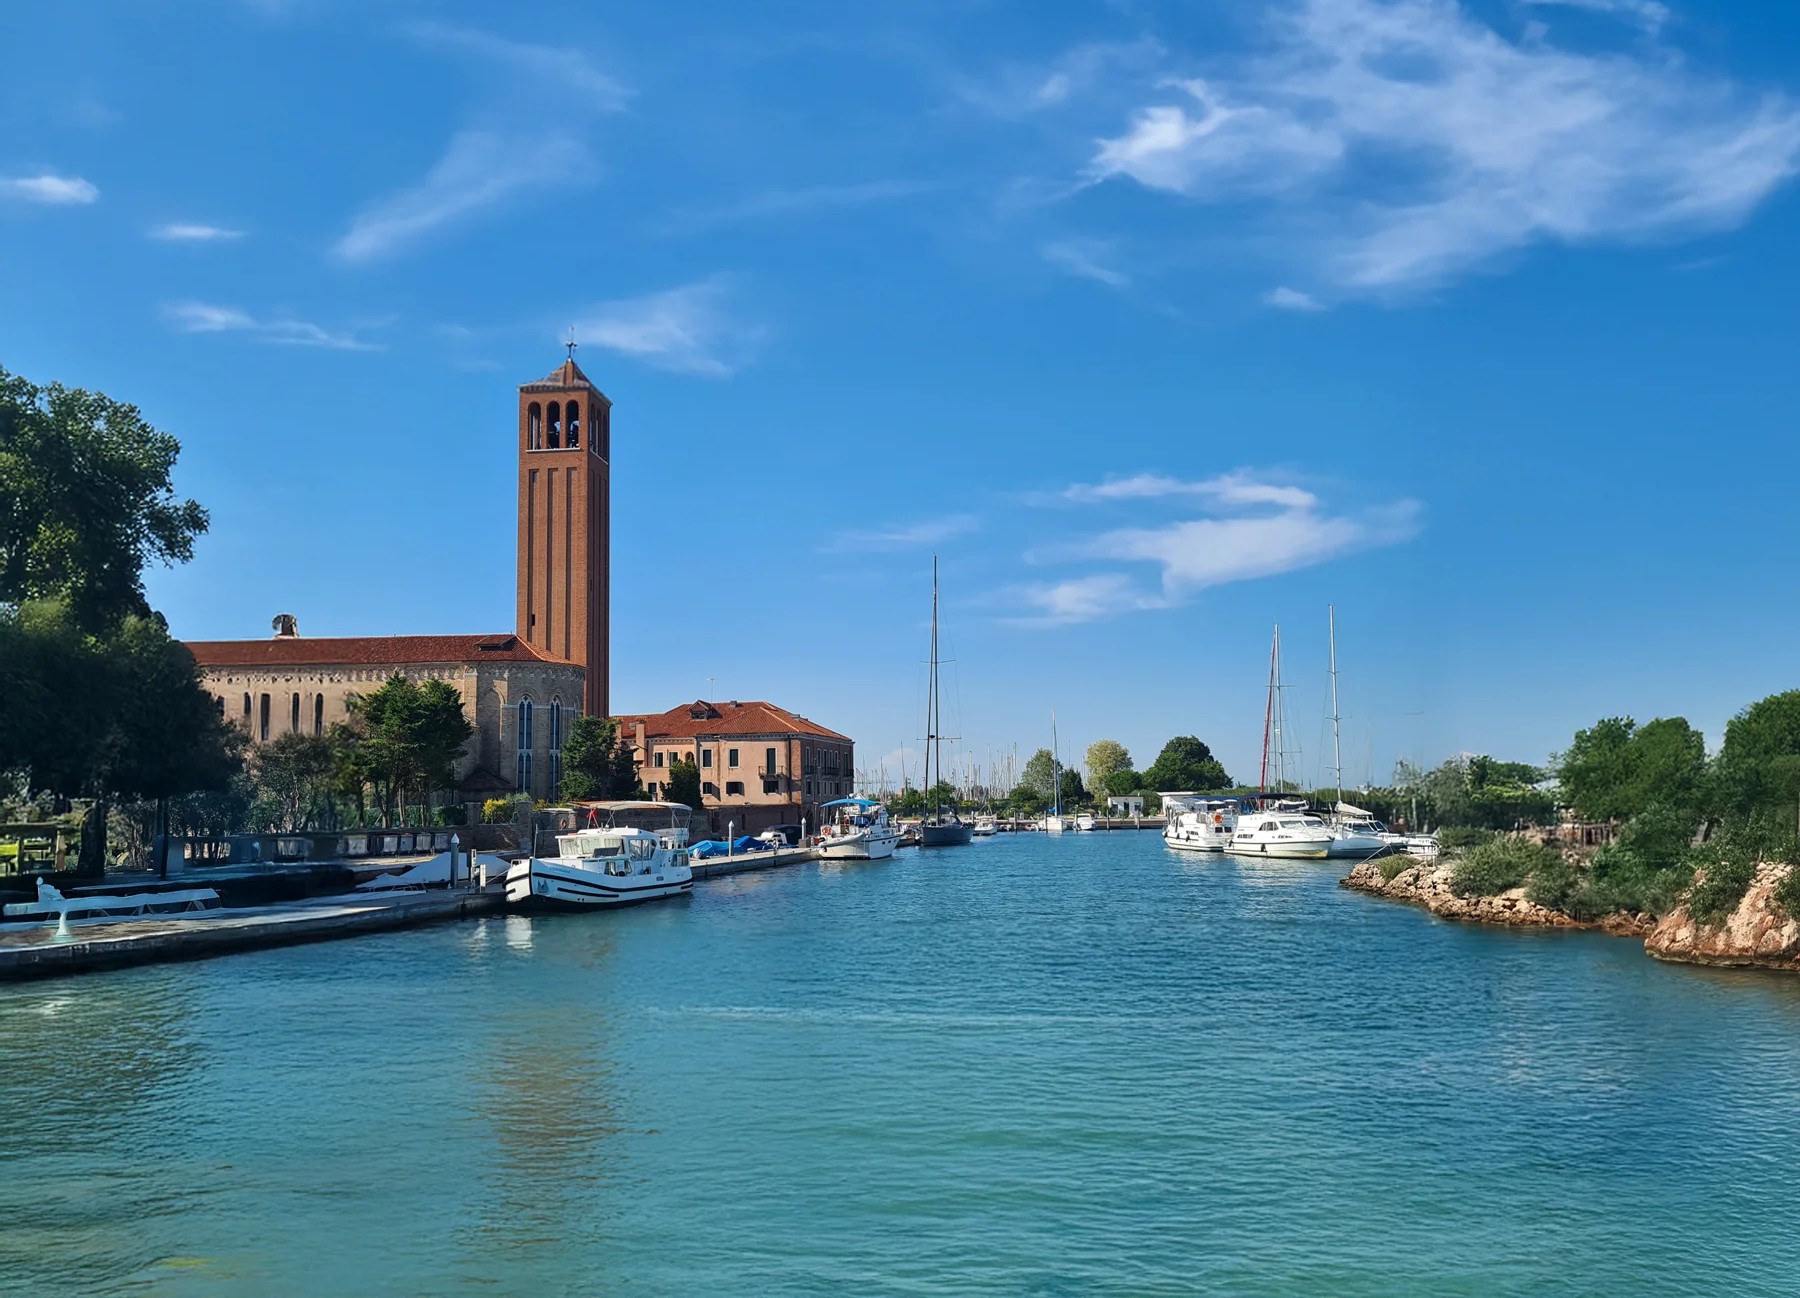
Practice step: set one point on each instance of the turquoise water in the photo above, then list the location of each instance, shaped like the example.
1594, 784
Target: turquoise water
1027, 1066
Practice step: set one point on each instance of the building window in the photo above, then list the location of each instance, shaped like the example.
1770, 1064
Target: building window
553, 427
573, 415
651, 790
710, 789
522, 775
318, 714
556, 709
262, 718
731, 757
294, 716
768, 761
734, 788
771, 786
659, 757
534, 426
706, 757
246, 709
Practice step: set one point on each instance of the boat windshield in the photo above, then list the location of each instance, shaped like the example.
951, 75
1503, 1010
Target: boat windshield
1297, 824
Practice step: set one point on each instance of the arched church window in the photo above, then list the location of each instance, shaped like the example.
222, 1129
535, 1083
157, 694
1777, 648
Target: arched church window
573, 415
246, 709
262, 728
553, 427
534, 426
294, 716
318, 714
522, 774
556, 737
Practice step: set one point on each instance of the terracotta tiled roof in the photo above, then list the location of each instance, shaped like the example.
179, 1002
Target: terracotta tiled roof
297, 651
566, 375
701, 718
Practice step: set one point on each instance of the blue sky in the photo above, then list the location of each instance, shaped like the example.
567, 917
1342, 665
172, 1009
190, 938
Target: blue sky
1161, 323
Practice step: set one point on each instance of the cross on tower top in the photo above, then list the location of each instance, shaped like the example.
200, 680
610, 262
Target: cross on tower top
571, 343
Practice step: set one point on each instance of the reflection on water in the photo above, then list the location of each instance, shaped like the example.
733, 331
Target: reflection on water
1038, 1065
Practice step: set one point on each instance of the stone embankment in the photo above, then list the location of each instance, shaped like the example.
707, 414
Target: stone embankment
1758, 933
1427, 884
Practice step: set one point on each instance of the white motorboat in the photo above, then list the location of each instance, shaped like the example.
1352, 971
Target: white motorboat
1198, 823
1054, 824
858, 831
985, 827
629, 852
1085, 823
1281, 833
51, 904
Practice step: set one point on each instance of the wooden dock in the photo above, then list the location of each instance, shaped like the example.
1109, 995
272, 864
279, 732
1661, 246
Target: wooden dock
40, 950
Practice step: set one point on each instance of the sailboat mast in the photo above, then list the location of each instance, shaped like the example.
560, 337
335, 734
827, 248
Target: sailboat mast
1269, 711
1337, 750
1280, 722
1055, 768
934, 746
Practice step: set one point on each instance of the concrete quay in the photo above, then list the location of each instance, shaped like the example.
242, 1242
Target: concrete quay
41, 950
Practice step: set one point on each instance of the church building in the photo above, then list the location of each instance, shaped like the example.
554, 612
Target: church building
521, 689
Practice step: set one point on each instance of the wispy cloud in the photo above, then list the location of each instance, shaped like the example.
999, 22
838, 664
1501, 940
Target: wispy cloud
1019, 90
532, 123
1085, 260
1253, 528
690, 330
479, 169
210, 318
912, 536
804, 200
1407, 142
1237, 490
189, 232
49, 189
1292, 299
1648, 14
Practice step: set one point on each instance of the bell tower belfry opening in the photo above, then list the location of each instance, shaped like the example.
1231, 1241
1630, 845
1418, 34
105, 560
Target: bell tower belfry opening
565, 522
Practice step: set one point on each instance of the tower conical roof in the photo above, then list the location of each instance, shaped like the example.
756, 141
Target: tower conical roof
564, 376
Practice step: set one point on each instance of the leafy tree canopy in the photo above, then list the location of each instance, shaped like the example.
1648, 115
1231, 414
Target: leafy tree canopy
1104, 757
1039, 774
1616, 769
1759, 762
1074, 792
85, 502
409, 735
1188, 764
1124, 782
683, 783
598, 763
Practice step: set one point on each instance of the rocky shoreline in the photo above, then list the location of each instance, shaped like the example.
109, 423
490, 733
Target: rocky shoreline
1757, 934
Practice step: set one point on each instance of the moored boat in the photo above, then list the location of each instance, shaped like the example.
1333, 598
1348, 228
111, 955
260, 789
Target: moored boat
1085, 822
629, 852
858, 831
1197, 823
940, 828
1284, 834
985, 826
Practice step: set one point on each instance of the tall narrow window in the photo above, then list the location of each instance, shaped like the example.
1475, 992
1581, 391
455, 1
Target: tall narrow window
555, 745
246, 709
768, 761
553, 427
572, 419
294, 716
523, 773
706, 757
318, 714
262, 728
534, 426
731, 757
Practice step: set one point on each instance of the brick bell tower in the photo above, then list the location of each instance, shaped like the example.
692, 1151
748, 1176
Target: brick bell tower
565, 523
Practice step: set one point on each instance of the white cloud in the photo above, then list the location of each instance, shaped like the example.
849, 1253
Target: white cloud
1230, 490
1292, 299
1020, 90
688, 329
1083, 259
1649, 14
479, 169
805, 200
1254, 528
209, 318
189, 232
527, 140
1409, 142
910, 536
49, 189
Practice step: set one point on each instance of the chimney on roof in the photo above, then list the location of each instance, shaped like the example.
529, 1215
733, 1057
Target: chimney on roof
285, 626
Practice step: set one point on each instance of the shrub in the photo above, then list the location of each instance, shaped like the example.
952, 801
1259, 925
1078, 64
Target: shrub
1726, 863
1623, 878
496, 811
1719, 888
1494, 867
453, 815
1787, 893
1393, 863
1458, 836
1558, 883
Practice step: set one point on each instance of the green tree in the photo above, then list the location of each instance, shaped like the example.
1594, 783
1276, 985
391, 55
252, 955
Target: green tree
1074, 792
683, 783
294, 773
1039, 774
1187, 764
1616, 769
1123, 783
909, 802
85, 501
597, 762
942, 794
410, 735
1759, 762
1026, 801
1106, 757
1596, 773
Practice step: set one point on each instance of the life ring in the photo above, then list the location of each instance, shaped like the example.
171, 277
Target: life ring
1218, 819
